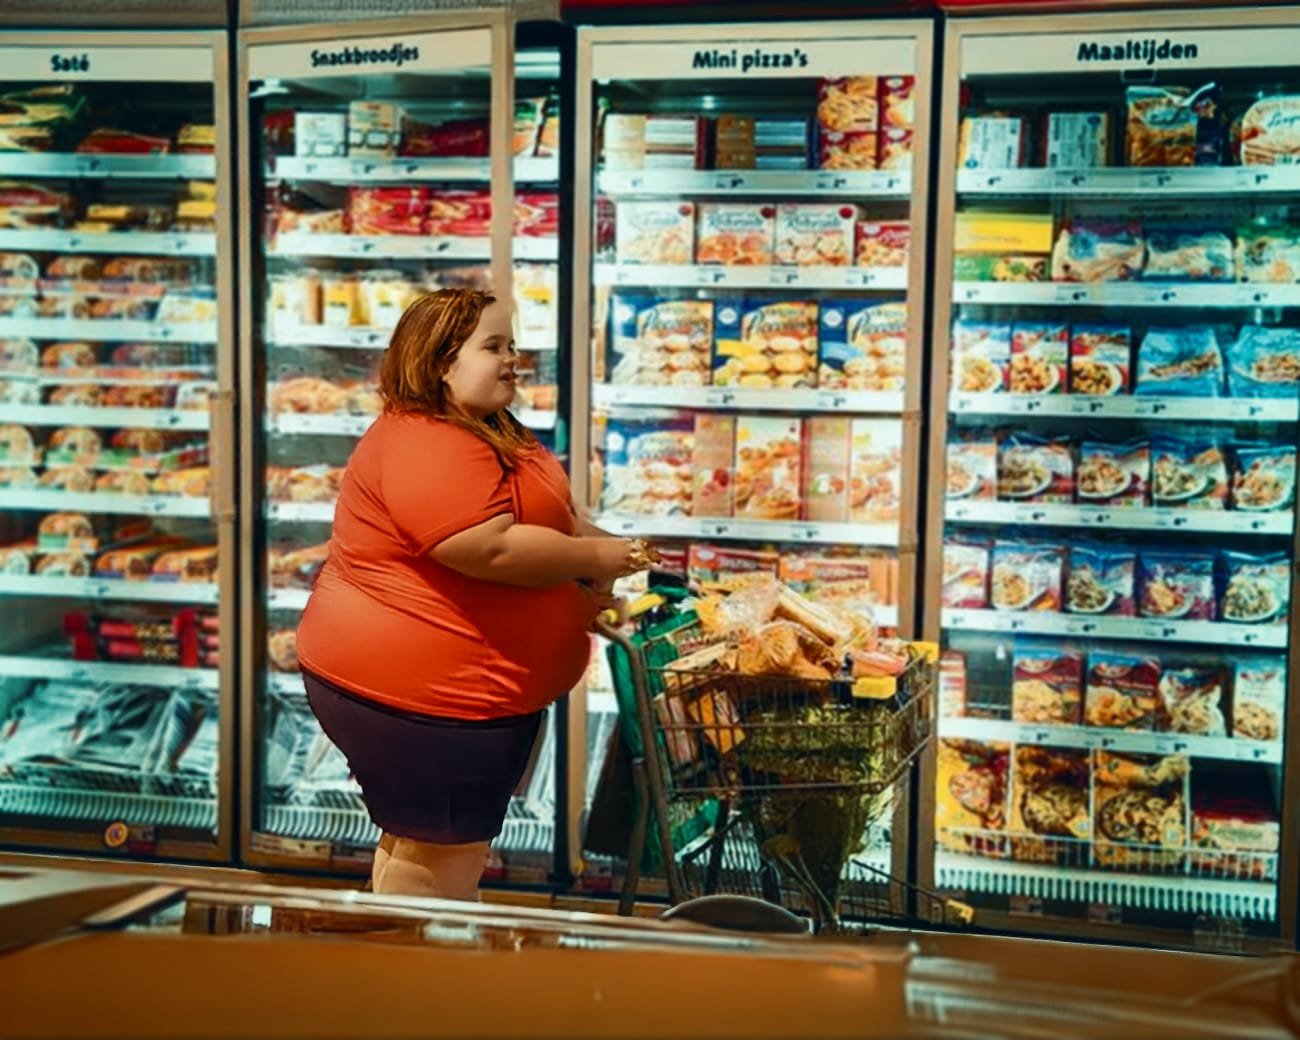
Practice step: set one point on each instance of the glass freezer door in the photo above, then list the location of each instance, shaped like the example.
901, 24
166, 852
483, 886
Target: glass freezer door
116, 549
1112, 548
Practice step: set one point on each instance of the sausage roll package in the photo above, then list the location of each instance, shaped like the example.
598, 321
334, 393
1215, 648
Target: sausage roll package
1102, 580
1258, 697
1264, 362
972, 796
1140, 804
1027, 576
1114, 474
1256, 589
1050, 792
1180, 362
882, 243
965, 575
1236, 825
17, 445
1039, 354
1188, 473
1035, 469
1047, 684
1177, 586
1123, 691
1098, 251
1192, 700
1264, 480
713, 567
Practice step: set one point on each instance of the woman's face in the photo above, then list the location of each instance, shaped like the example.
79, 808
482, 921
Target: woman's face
481, 379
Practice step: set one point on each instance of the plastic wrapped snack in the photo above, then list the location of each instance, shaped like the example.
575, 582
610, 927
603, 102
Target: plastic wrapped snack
965, 575
1098, 251
1268, 254
1174, 126
1047, 684
981, 356
971, 796
1027, 576
1189, 253
1102, 580
1114, 474
1256, 589
1123, 691
1180, 362
1192, 700
1258, 697
1035, 469
1265, 479
1039, 353
1049, 800
1264, 362
1188, 473
1100, 356
1177, 586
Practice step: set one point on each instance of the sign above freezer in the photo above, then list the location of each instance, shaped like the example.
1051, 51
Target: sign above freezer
419, 52
1012, 54
755, 58
164, 64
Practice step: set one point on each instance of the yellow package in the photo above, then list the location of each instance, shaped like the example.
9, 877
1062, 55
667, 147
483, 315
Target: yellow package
981, 232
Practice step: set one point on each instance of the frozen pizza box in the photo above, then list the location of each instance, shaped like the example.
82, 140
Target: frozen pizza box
654, 232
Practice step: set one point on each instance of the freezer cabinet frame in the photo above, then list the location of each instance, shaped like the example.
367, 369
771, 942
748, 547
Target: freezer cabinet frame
260, 849
1017, 35
221, 443
921, 35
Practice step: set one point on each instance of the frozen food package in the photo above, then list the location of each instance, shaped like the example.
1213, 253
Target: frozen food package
1189, 253
660, 342
320, 134
981, 356
1102, 580
849, 583
898, 102
876, 475
848, 104
1001, 267
815, 234
1035, 469
1123, 691
1188, 473
1264, 480
965, 575
1236, 825
1141, 810
714, 455
971, 796
882, 243
1027, 576
654, 232
1077, 140
848, 151
896, 145
1174, 126
735, 233
1268, 253
1192, 700
1264, 362
1270, 132
826, 464
17, 445
77, 480
1180, 362
1176, 586
18, 477
19, 557
1047, 684
1256, 589
1098, 251
768, 478
1258, 697
69, 355
726, 568
123, 482
76, 441
863, 347
1050, 792
527, 125
952, 685
649, 467
132, 563
295, 567
1039, 355
374, 128
991, 143
1114, 474
1099, 359
18, 355
972, 470
763, 342
1002, 233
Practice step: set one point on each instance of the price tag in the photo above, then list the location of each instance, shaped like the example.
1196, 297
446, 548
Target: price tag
1106, 742
1253, 411
783, 277
830, 182
1159, 294
1151, 179
1247, 637
972, 294
991, 180
1259, 297
1072, 294
98, 590
864, 278
720, 399
1031, 405
1257, 177
1067, 181
1258, 752
719, 530
810, 532
711, 275
728, 182
89, 164
623, 276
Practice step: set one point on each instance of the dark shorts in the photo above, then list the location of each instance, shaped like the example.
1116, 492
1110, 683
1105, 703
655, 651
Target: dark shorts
431, 779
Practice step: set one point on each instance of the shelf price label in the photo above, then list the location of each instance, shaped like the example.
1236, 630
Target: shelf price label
1260, 297
809, 532
781, 276
830, 182
1159, 294
1072, 294
726, 181
831, 401
1151, 179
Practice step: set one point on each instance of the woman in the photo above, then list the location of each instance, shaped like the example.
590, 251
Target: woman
456, 600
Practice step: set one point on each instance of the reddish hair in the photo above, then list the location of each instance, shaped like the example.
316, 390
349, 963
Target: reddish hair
426, 341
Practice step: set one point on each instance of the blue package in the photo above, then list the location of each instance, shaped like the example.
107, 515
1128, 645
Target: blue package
1188, 253
1256, 589
1264, 363
1179, 362
1101, 580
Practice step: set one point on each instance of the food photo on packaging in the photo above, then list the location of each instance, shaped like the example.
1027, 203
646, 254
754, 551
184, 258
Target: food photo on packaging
1122, 691
1113, 474
768, 479
1236, 823
965, 574
972, 467
876, 471
649, 467
1046, 684
1039, 357
762, 342
736, 234
1050, 817
981, 356
1027, 576
1140, 810
1102, 580
657, 341
863, 346
1100, 355
1193, 699
1035, 469
972, 796
1177, 585
827, 464
1259, 690
812, 234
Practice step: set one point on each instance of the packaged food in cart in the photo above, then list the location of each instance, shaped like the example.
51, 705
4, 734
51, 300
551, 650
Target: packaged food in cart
1174, 126
1270, 132
1050, 792
981, 356
965, 575
1099, 359
1192, 700
1035, 469
1258, 697
1140, 804
660, 342
882, 243
848, 104
1123, 691
1264, 362
827, 456
898, 102
876, 474
1077, 140
648, 466
1102, 580
972, 471
1236, 825
1027, 576
1180, 362
1039, 356
735, 233
654, 232
1047, 684
1268, 252
815, 234
992, 142
1114, 474
1256, 588
972, 796
1189, 473
863, 347
1264, 480
1189, 253
712, 568
768, 467
714, 456
1098, 251
763, 342
1177, 586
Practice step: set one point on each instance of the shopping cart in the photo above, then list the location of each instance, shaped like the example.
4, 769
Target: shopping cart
762, 787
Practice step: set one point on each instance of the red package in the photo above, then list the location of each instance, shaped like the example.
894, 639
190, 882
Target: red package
277, 132
460, 213
387, 211
461, 138
537, 214
123, 142
896, 102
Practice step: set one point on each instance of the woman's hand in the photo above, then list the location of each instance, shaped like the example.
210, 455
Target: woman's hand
620, 557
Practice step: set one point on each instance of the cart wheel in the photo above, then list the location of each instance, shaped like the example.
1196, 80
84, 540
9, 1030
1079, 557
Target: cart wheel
737, 914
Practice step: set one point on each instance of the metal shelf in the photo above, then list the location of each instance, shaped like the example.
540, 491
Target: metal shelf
150, 243
1136, 181
1090, 626
75, 164
107, 330
676, 183
41, 500
354, 171
355, 337
90, 415
1229, 749
872, 535
1197, 409
303, 512
707, 276
741, 399
301, 424
1217, 295
1119, 517
407, 247
109, 589
105, 806
109, 672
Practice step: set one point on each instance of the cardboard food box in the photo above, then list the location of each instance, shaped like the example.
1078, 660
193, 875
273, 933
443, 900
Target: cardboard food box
764, 343
875, 482
863, 347
320, 135
654, 232
735, 233
827, 453
768, 467
715, 451
815, 234
374, 128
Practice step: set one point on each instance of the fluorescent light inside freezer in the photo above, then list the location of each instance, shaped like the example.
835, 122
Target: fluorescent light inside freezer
269, 88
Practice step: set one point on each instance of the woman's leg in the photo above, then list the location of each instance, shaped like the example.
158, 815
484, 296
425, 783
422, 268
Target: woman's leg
416, 868
383, 852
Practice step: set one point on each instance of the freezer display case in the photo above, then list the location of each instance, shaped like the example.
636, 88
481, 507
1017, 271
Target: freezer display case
752, 307
1111, 542
116, 362
384, 160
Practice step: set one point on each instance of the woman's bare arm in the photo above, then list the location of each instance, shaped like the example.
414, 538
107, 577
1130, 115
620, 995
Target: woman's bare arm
533, 557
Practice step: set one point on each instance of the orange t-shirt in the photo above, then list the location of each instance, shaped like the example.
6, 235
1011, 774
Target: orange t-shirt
389, 622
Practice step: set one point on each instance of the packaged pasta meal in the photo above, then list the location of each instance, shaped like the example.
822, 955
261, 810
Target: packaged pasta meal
981, 356
654, 232
1176, 586
1035, 469
1123, 691
1102, 580
1264, 362
971, 802
1256, 589
1265, 478
965, 575
1039, 353
863, 346
1192, 700
1189, 253
1270, 132
735, 233
1099, 359
1180, 362
764, 342
1140, 806
972, 471
1027, 576
815, 234
1047, 684
1188, 473
1050, 792
1258, 697
1268, 253
1098, 251
1174, 126
1114, 474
